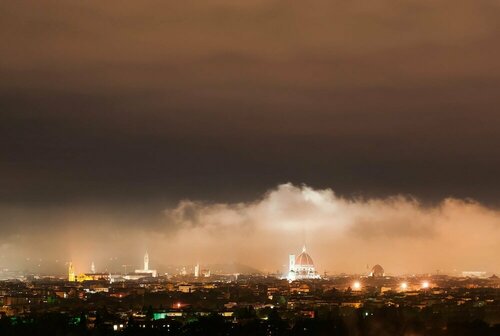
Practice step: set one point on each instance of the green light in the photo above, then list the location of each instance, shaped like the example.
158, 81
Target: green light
159, 316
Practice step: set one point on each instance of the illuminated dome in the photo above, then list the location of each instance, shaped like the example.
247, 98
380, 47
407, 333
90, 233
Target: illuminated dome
304, 259
377, 271
301, 267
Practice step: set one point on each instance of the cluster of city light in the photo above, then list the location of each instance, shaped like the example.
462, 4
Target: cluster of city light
117, 327
356, 285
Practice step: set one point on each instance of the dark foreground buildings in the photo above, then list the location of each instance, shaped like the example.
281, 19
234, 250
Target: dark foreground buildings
252, 305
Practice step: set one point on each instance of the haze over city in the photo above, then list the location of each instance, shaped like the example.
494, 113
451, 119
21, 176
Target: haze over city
230, 132
344, 235
256, 167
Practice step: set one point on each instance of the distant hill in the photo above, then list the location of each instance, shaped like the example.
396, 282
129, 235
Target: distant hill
232, 268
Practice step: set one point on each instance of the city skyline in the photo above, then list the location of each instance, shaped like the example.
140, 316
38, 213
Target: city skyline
260, 167
227, 132
363, 232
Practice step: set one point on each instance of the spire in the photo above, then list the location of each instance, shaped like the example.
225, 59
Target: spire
71, 272
304, 248
146, 261
197, 270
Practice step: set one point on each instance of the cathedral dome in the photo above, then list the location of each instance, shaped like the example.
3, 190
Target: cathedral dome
301, 267
377, 271
304, 259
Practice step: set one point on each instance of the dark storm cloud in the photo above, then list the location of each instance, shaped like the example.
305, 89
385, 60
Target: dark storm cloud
159, 100
127, 126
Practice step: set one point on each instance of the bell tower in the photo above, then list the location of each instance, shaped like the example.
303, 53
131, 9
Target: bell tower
71, 272
146, 262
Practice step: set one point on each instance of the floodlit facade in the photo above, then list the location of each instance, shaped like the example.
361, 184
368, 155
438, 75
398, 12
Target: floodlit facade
301, 267
71, 272
146, 269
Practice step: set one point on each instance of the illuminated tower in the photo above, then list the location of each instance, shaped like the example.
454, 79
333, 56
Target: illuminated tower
92, 267
197, 270
146, 262
146, 269
71, 272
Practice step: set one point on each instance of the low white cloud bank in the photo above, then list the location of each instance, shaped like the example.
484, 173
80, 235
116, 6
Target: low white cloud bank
342, 235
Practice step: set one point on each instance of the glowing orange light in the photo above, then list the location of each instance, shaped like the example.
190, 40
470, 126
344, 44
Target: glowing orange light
404, 285
425, 284
356, 285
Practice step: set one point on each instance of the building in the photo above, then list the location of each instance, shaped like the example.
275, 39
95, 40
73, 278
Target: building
92, 277
474, 274
71, 272
146, 269
301, 267
377, 271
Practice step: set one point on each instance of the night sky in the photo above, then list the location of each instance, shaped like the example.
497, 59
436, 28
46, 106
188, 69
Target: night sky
130, 107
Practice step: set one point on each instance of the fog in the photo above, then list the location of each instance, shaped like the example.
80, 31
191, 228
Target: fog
341, 234
171, 127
